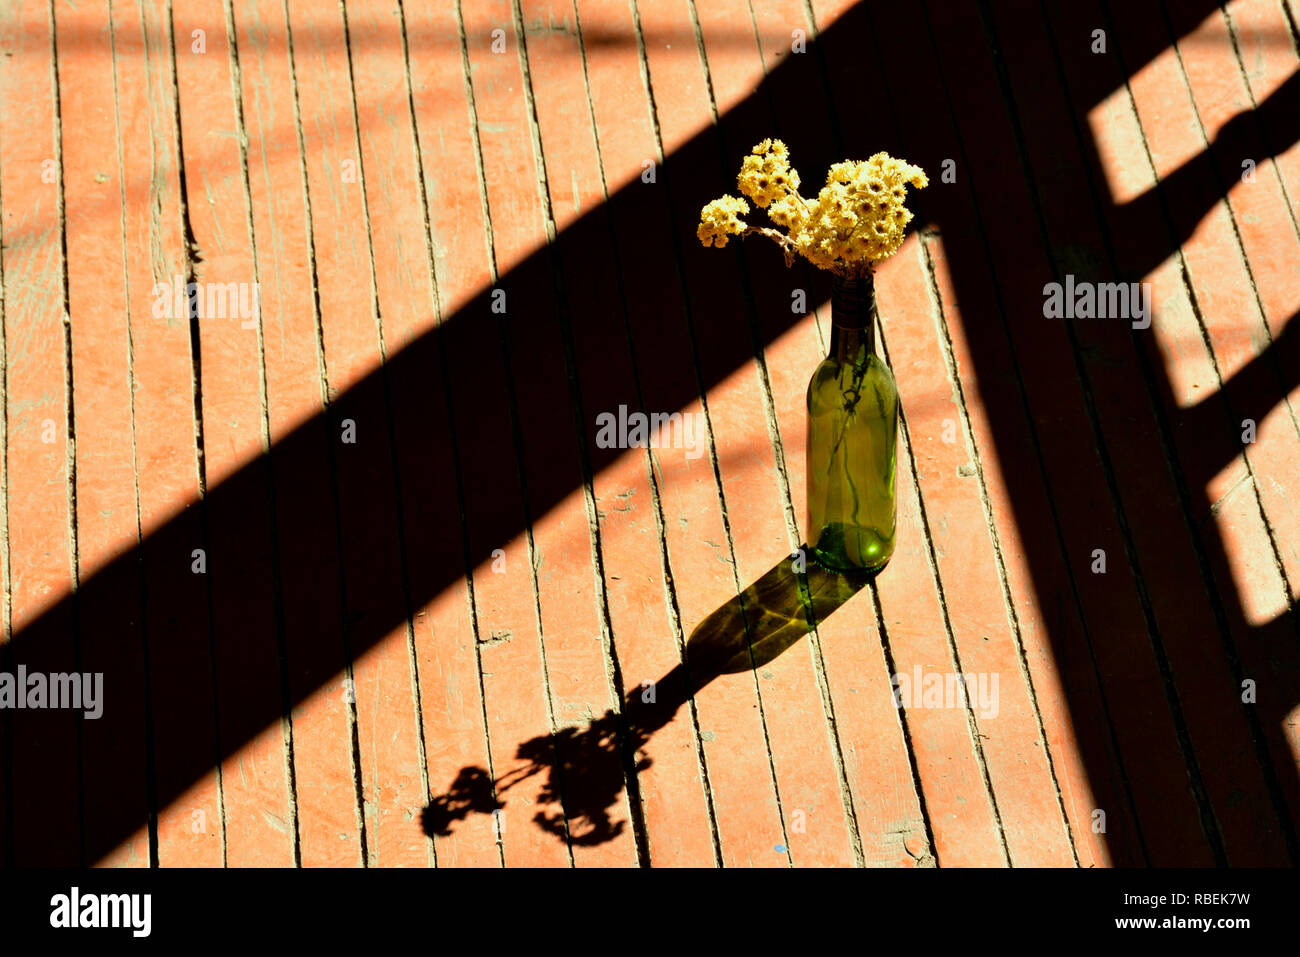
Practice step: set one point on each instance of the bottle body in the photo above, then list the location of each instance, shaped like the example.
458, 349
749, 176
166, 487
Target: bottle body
852, 440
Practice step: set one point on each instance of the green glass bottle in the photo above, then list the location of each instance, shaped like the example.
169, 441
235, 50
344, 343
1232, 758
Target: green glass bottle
852, 439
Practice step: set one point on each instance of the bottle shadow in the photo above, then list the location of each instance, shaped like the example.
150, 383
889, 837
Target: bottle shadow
755, 627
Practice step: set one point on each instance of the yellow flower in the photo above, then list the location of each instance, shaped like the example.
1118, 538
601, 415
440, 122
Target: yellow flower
765, 174
791, 212
720, 219
858, 218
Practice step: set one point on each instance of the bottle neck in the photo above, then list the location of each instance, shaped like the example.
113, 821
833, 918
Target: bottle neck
853, 319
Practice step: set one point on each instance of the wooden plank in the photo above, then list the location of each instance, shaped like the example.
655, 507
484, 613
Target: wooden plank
807, 763
505, 787
1266, 48
455, 732
1264, 235
6, 729
1056, 657
1203, 436
1222, 293
966, 829
511, 654
354, 289
751, 829
571, 556
1216, 722
887, 810
329, 828
1147, 731
39, 448
595, 300
985, 643
176, 626
591, 776
259, 817
671, 779
1056, 649
967, 557
114, 779
1223, 99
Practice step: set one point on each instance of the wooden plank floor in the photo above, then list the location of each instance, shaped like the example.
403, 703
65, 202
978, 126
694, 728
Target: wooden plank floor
365, 589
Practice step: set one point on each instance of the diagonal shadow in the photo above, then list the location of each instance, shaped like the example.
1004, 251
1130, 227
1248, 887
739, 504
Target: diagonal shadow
1274, 372
474, 462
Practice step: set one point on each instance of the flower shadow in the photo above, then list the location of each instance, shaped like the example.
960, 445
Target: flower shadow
583, 784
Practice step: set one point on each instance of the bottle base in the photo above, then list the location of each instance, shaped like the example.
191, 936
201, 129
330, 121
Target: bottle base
851, 549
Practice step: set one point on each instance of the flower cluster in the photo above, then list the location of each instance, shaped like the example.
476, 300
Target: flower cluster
857, 219
765, 174
720, 219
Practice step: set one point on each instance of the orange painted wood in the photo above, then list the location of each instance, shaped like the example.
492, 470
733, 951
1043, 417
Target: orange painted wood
963, 550
806, 761
1216, 721
306, 533
1267, 238
595, 279
176, 626
1207, 440
645, 621
6, 748
511, 653
1064, 679
966, 832
522, 609
259, 820
354, 292
1223, 99
1088, 87
751, 828
1266, 45
40, 563
114, 781
1056, 403
455, 734
469, 350
1012, 471
1223, 299
888, 813
6, 739
599, 816
985, 643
